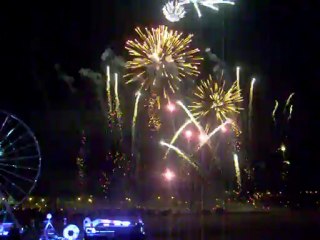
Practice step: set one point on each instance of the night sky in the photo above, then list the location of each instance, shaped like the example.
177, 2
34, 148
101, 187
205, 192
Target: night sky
275, 41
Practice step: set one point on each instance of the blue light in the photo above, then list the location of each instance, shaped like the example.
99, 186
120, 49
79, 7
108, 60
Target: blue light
117, 223
86, 223
107, 221
126, 223
4, 228
71, 232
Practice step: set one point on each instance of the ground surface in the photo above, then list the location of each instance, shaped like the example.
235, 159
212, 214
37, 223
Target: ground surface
285, 225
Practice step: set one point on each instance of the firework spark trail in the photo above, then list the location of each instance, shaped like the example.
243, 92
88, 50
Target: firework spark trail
192, 118
212, 4
180, 153
108, 90
217, 129
118, 110
237, 169
250, 108
288, 102
196, 6
238, 77
251, 96
134, 120
176, 135
290, 112
275, 110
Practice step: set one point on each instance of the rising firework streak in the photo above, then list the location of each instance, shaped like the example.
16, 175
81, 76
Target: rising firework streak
237, 170
117, 100
134, 121
275, 110
180, 153
288, 102
176, 135
108, 90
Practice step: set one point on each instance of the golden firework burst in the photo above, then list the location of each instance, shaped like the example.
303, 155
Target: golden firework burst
161, 59
211, 100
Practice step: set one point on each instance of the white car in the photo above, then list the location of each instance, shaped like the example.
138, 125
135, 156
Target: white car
113, 229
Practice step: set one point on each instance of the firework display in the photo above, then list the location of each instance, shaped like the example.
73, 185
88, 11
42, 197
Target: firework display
212, 101
157, 92
175, 10
114, 112
161, 59
167, 125
281, 127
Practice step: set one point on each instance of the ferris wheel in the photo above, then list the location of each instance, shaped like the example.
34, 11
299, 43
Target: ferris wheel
20, 160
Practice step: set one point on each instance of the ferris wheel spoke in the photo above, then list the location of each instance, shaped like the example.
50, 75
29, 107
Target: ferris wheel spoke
10, 132
19, 158
14, 142
15, 150
14, 185
18, 167
16, 175
4, 123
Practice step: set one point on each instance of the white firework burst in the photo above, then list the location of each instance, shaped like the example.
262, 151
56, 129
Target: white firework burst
174, 11
212, 4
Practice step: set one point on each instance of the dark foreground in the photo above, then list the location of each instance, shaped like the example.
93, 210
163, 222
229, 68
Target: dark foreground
285, 225
268, 225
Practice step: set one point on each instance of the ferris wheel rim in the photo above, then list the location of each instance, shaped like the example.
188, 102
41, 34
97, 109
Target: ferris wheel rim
37, 147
